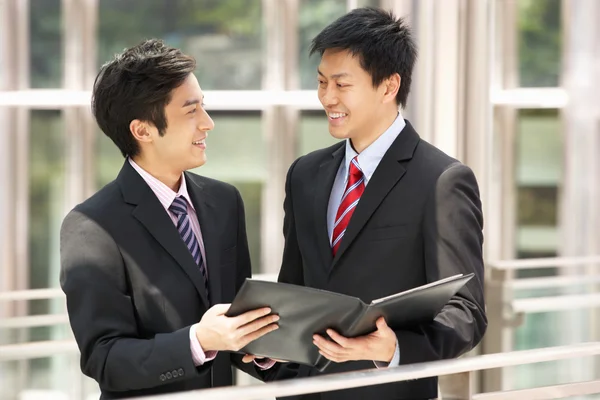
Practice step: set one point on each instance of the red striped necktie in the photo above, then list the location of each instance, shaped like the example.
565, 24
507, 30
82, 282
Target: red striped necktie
354, 189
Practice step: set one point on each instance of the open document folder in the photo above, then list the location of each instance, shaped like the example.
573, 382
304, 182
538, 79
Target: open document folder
304, 311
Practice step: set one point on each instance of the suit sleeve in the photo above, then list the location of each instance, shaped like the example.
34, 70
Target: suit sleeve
103, 319
243, 271
291, 272
453, 240
291, 266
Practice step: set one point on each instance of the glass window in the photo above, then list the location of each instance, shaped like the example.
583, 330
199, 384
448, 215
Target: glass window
109, 159
546, 330
539, 42
236, 154
46, 196
314, 132
46, 200
46, 43
235, 148
539, 165
225, 36
367, 3
58, 381
538, 176
539, 148
314, 15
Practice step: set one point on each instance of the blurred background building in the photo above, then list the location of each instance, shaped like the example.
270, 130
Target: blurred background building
510, 87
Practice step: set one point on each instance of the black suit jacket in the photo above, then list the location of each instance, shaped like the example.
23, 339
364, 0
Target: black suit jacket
418, 220
133, 289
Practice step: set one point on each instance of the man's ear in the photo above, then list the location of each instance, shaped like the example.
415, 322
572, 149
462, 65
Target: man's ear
391, 86
140, 131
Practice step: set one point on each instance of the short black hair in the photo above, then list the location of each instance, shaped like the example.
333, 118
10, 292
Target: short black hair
137, 84
383, 43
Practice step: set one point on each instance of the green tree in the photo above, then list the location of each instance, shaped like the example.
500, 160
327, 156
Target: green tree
46, 43
313, 17
225, 36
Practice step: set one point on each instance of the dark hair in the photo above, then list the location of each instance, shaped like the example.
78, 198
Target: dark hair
383, 43
137, 84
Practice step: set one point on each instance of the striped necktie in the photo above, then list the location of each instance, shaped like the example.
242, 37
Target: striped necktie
184, 226
354, 189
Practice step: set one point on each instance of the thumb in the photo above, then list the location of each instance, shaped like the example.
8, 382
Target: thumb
381, 324
220, 309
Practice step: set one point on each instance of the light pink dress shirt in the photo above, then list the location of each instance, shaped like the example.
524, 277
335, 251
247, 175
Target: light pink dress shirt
166, 196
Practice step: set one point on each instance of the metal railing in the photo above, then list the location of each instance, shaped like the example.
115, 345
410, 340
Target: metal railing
530, 263
461, 371
500, 269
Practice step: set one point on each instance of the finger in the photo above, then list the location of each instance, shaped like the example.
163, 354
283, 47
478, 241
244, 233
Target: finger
257, 334
330, 356
328, 345
381, 324
250, 316
336, 337
258, 324
248, 358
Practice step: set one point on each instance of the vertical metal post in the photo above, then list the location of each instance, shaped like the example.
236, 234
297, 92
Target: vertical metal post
579, 212
501, 189
280, 122
459, 386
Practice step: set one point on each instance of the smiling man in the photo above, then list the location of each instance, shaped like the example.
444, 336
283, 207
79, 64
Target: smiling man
149, 262
382, 211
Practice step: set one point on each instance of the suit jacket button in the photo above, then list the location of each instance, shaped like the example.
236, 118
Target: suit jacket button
169, 376
180, 371
163, 377
174, 373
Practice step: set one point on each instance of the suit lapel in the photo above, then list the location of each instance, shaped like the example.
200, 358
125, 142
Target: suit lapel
325, 178
204, 206
151, 214
389, 171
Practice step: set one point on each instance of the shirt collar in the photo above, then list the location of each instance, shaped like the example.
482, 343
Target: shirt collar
370, 157
164, 193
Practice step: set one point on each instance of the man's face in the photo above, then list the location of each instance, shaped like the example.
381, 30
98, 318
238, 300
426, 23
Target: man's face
347, 94
183, 146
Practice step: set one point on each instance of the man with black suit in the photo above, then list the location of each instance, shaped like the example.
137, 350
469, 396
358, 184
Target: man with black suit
147, 262
381, 212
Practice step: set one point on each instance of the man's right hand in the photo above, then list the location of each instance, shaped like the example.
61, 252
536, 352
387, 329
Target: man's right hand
217, 332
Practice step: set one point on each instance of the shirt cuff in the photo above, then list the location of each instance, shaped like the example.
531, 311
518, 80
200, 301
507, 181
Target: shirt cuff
395, 360
264, 363
198, 355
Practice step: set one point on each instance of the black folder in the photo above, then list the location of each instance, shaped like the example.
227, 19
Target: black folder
304, 311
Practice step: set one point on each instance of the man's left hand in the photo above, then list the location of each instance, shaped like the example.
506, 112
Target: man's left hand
377, 346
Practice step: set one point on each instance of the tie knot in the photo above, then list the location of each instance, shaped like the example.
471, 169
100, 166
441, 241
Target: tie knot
179, 206
355, 168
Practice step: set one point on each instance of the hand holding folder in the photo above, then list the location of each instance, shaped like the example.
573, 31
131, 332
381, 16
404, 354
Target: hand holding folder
304, 311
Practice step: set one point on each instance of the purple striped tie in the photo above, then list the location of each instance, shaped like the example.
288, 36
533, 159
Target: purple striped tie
179, 208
